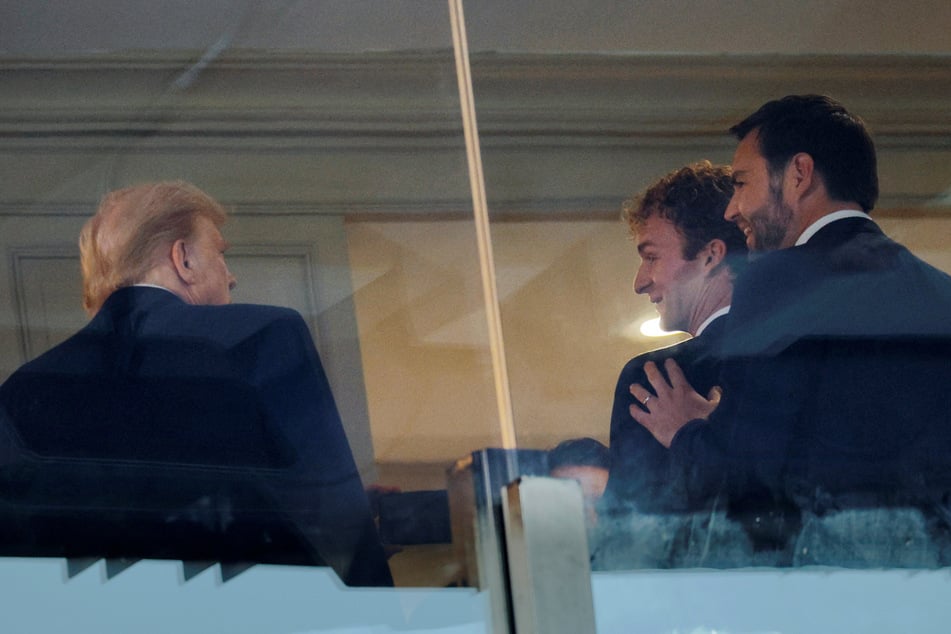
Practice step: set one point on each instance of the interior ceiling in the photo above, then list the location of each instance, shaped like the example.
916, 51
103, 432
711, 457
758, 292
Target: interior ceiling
56, 27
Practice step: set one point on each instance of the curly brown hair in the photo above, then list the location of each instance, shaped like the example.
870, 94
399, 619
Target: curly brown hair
694, 199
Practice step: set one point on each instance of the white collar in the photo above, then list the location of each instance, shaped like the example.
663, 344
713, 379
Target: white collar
709, 320
829, 218
146, 285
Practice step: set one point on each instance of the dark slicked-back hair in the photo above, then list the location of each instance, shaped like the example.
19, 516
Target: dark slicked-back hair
693, 199
579, 452
838, 142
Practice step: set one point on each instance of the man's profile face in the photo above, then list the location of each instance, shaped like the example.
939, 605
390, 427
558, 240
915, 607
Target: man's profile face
757, 206
673, 283
206, 258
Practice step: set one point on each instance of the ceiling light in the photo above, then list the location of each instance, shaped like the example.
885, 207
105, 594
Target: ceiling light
651, 328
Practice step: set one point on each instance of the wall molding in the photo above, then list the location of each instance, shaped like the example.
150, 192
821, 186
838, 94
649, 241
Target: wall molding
381, 132
354, 95
34, 322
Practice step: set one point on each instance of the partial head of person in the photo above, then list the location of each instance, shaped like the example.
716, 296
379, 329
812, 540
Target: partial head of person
167, 234
799, 158
689, 252
587, 461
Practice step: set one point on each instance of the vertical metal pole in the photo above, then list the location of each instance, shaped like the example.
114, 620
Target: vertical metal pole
481, 213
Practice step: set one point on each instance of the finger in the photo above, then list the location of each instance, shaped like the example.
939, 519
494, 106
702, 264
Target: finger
640, 392
639, 415
645, 420
657, 380
675, 374
715, 394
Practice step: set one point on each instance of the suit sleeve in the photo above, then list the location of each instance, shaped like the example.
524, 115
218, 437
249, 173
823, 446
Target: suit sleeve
639, 463
322, 491
747, 443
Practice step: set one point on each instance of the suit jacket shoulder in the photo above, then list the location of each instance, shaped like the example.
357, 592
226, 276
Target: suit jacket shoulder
231, 402
822, 338
638, 462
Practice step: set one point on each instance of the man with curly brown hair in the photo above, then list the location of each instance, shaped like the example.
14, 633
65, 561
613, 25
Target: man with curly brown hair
689, 258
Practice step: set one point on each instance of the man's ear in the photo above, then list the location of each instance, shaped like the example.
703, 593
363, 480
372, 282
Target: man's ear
800, 173
181, 263
713, 254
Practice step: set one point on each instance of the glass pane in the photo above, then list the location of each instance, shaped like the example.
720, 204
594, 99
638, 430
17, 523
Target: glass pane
331, 133
592, 104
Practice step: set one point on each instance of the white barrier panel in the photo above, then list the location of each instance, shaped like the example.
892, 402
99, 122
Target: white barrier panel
36, 597
765, 601
152, 597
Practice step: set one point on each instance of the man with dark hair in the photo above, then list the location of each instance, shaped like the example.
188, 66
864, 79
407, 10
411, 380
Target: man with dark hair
177, 425
578, 452
837, 141
689, 257
587, 461
837, 358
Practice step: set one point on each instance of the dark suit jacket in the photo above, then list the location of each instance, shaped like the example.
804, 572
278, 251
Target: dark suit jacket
639, 475
837, 369
168, 430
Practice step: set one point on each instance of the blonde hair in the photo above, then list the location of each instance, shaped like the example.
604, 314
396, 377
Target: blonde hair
125, 239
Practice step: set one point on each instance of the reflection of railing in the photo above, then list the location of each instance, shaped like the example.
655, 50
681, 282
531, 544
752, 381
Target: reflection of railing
144, 475
871, 537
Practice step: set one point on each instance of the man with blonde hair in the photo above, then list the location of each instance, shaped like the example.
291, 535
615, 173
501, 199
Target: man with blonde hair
127, 242
176, 424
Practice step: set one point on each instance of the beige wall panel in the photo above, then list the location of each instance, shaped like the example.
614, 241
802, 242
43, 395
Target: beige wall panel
567, 308
40, 285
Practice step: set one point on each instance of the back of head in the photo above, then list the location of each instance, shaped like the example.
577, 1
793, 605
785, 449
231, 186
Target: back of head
694, 199
579, 452
125, 238
840, 145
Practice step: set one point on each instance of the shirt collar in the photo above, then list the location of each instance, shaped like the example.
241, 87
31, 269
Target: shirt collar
709, 320
155, 286
827, 219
